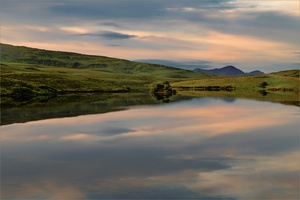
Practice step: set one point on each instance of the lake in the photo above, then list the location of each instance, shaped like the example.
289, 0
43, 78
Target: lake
193, 148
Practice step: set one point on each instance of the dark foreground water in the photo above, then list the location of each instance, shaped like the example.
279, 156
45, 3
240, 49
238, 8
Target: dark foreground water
202, 148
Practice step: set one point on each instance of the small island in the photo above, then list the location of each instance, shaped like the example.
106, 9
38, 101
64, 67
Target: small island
162, 91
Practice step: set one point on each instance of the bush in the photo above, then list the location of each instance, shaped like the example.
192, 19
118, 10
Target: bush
263, 84
76, 65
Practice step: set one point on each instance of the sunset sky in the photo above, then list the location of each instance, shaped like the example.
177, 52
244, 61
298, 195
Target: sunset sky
252, 35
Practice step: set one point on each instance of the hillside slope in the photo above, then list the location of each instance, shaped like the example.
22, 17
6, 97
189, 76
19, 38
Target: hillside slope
286, 79
26, 55
28, 73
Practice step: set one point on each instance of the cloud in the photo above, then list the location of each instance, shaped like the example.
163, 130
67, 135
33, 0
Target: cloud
110, 35
77, 11
111, 24
75, 137
185, 65
165, 30
186, 147
114, 131
273, 25
107, 9
113, 9
271, 19
268, 25
208, 5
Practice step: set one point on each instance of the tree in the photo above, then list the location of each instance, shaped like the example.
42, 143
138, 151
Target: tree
166, 85
263, 84
76, 65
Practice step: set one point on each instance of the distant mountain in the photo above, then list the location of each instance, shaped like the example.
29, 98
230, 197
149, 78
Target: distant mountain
256, 72
227, 71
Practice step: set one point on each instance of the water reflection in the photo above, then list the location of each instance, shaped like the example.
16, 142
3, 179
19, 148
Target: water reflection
73, 105
165, 98
204, 148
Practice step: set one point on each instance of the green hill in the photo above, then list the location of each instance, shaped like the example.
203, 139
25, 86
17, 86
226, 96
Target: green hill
285, 79
38, 57
275, 86
29, 72
288, 73
33, 72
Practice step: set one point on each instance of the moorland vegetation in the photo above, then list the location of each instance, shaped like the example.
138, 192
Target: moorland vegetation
27, 73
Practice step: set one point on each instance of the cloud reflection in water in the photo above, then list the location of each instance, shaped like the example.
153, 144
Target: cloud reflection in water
201, 148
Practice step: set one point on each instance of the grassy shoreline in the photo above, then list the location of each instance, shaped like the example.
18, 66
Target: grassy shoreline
28, 73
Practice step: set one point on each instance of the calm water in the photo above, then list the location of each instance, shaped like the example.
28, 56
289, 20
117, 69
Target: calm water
202, 148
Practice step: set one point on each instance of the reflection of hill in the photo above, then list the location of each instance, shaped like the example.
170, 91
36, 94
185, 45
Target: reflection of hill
288, 98
73, 105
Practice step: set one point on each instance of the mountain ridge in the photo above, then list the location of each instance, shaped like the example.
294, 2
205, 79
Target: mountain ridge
229, 70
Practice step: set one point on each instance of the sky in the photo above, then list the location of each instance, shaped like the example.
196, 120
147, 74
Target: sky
252, 35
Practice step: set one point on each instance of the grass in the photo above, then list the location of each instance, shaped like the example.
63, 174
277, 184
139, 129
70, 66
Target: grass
40, 78
246, 83
36, 72
31, 72
38, 57
65, 79
249, 87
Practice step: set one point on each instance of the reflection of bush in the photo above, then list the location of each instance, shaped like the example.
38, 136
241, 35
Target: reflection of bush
22, 93
161, 97
228, 88
263, 92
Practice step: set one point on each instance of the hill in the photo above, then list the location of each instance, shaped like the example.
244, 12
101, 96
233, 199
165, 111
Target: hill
29, 72
39, 57
228, 71
288, 73
285, 79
